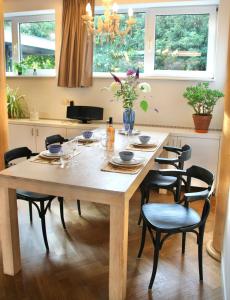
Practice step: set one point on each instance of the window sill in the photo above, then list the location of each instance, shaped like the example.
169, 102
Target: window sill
156, 77
29, 76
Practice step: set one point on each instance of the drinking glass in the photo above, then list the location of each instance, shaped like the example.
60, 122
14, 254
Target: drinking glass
66, 155
127, 129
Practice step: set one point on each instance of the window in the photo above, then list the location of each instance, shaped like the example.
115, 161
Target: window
32, 38
168, 42
181, 42
37, 44
8, 45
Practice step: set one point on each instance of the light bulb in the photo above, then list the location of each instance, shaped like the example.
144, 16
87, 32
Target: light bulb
130, 12
115, 8
88, 8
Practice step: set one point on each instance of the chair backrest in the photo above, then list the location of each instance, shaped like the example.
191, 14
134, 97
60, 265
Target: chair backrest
54, 139
15, 154
201, 174
208, 178
185, 155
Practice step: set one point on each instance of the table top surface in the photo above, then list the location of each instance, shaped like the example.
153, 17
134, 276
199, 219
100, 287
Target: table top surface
85, 170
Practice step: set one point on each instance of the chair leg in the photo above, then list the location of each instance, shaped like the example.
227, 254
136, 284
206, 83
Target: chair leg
30, 212
43, 223
143, 196
79, 207
147, 196
143, 235
61, 205
155, 258
200, 251
183, 242
49, 205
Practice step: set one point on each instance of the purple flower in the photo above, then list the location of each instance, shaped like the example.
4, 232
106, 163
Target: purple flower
115, 78
130, 72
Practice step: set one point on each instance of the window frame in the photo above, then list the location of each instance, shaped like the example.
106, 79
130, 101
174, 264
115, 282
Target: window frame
149, 46
29, 17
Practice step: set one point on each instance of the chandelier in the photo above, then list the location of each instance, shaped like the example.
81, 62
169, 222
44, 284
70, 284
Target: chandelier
109, 24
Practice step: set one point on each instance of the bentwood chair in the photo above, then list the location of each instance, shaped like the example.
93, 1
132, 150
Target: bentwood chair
58, 139
54, 139
154, 180
164, 220
40, 201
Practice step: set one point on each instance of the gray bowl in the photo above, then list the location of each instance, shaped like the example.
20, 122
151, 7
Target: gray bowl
144, 139
54, 148
87, 134
126, 155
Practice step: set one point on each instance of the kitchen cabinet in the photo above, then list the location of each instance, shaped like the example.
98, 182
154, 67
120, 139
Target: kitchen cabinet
205, 153
32, 137
42, 132
22, 135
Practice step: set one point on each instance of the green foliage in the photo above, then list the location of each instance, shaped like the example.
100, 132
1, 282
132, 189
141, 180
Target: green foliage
202, 98
43, 29
128, 89
15, 103
127, 93
144, 105
181, 33
39, 62
20, 67
122, 53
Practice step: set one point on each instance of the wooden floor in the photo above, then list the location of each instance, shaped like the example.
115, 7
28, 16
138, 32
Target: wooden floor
77, 266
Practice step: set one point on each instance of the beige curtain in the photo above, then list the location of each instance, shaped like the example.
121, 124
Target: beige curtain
3, 109
76, 59
224, 173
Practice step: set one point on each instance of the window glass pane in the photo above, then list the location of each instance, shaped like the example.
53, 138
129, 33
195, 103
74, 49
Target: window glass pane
181, 42
121, 54
8, 45
37, 44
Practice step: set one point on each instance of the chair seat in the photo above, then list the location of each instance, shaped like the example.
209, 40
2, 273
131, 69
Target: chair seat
154, 179
165, 217
25, 195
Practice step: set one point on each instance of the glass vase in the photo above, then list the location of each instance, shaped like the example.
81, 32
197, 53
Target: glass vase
128, 119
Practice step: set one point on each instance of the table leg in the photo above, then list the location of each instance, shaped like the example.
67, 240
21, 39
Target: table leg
119, 216
9, 233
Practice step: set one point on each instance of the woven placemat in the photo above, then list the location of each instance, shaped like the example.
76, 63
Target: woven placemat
108, 167
133, 148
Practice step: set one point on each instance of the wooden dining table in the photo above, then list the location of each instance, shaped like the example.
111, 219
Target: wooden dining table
84, 180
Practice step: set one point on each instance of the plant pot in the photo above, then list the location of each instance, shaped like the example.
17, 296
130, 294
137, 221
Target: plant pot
202, 122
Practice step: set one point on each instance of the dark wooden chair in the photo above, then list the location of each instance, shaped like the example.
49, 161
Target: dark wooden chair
167, 219
54, 139
58, 139
154, 180
40, 201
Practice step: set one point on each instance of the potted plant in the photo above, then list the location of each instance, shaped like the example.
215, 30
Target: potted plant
19, 67
15, 104
202, 99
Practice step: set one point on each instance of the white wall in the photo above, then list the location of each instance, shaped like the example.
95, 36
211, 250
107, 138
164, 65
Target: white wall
225, 261
166, 94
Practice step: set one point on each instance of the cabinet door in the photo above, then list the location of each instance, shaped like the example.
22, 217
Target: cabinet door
205, 153
42, 132
173, 141
22, 136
